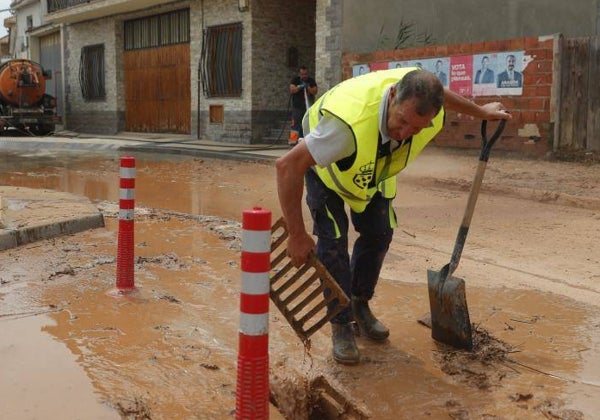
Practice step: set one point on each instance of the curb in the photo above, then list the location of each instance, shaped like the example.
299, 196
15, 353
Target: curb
217, 154
12, 238
32, 214
267, 153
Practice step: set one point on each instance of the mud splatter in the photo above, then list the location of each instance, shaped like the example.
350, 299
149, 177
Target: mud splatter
484, 367
554, 409
135, 409
316, 398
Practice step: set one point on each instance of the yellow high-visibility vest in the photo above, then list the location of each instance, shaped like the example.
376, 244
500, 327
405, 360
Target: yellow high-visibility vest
356, 103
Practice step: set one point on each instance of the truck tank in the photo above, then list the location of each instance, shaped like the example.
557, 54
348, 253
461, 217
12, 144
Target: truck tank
22, 83
24, 104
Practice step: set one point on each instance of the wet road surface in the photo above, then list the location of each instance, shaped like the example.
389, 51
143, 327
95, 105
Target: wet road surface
170, 351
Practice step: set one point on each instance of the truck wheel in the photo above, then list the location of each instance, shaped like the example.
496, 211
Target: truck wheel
42, 129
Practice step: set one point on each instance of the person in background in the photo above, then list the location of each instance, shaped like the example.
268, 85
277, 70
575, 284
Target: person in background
359, 135
303, 90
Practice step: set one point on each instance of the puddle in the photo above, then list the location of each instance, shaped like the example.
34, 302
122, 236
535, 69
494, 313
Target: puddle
41, 378
182, 184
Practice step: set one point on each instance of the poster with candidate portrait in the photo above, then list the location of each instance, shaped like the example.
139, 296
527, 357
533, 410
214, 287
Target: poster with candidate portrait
486, 74
397, 64
485, 70
509, 79
359, 69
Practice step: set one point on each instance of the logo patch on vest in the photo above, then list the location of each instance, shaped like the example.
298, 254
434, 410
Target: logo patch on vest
365, 176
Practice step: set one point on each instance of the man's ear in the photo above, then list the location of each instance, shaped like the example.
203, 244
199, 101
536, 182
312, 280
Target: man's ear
392, 93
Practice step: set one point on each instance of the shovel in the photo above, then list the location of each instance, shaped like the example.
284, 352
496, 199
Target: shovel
450, 322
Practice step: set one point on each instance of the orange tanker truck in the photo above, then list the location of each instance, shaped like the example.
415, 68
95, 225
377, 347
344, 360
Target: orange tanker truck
24, 104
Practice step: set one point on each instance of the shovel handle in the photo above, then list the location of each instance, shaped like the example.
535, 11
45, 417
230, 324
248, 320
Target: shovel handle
306, 101
486, 148
486, 145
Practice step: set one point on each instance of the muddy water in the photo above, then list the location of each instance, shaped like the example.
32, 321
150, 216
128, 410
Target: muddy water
25, 387
169, 351
190, 185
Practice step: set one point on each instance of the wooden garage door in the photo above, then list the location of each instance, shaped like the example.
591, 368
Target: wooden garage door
157, 76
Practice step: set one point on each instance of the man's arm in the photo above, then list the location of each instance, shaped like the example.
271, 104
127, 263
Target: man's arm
294, 89
290, 170
489, 111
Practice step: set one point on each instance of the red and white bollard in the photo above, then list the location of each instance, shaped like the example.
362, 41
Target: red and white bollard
125, 253
252, 391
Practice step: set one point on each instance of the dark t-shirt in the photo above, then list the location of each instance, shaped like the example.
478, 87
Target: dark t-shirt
298, 98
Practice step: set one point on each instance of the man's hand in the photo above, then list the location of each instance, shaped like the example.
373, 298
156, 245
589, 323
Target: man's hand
495, 111
299, 247
291, 168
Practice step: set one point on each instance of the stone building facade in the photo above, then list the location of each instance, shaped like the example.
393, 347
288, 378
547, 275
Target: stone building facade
277, 37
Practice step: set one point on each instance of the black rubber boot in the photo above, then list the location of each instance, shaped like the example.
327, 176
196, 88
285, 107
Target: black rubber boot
368, 325
344, 346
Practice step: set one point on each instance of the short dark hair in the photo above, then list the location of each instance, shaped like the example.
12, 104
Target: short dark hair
425, 87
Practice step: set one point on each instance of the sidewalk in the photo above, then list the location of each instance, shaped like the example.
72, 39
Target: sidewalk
150, 143
28, 215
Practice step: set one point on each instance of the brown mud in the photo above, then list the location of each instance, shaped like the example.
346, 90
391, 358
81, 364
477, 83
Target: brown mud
170, 350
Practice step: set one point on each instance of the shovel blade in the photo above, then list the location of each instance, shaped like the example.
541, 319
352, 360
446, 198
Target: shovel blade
450, 323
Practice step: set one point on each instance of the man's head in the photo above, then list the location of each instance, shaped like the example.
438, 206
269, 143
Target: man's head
485, 61
510, 62
414, 101
303, 72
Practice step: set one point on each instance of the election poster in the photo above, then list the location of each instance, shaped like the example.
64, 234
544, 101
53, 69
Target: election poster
486, 74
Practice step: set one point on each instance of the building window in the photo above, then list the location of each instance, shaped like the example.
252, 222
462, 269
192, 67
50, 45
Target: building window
222, 60
91, 72
29, 20
158, 30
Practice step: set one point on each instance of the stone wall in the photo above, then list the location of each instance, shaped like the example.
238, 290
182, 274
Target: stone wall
97, 116
329, 24
270, 28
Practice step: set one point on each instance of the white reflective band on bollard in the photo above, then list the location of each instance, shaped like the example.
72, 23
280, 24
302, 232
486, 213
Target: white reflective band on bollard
255, 284
126, 193
256, 240
253, 325
127, 172
126, 214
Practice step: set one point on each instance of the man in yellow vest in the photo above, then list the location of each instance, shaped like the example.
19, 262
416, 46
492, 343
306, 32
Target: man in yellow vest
358, 136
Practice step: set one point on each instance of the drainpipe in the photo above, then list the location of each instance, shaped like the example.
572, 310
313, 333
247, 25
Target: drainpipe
63, 96
597, 17
199, 81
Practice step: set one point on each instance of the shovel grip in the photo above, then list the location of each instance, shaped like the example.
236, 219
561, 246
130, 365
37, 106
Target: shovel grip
486, 145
